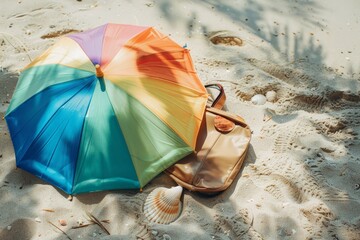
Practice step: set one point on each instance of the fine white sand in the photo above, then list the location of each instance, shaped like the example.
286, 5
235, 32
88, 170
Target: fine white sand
302, 174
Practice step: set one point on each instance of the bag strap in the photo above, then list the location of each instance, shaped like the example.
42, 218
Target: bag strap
230, 116
219, 101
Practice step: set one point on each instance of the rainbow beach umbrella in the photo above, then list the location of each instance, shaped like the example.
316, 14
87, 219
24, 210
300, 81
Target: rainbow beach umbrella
109, 108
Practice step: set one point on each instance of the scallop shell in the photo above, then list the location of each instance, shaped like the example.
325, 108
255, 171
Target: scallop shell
163, 205
258, 99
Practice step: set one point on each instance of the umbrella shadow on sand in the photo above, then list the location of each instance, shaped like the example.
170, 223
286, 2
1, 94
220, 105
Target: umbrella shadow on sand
17, 204
20, 229
13, 180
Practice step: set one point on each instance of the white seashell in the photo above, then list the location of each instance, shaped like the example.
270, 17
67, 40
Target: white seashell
163, 205
271, 96
258, 99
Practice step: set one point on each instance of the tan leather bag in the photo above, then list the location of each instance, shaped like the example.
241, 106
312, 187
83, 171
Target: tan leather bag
222, 146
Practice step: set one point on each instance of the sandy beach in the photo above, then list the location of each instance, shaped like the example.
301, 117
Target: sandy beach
301, 178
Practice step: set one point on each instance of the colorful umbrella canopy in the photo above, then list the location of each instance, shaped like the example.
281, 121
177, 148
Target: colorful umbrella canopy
109, 108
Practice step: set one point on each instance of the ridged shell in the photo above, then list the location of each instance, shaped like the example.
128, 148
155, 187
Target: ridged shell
163, 205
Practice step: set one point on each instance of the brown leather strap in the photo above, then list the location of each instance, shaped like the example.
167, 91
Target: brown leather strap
228, 115
219, 101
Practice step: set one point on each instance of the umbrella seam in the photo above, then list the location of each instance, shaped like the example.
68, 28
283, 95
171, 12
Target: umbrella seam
119, 125
124, 45
38, 135
40, 89
82, 130
102, 46
35, 95
158, 153
109, 76
181, 135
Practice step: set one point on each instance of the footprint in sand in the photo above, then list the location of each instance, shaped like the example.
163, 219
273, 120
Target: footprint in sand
288, 137
296, 179
318, 218
223, 38
302, 91
322, 102
59, 33
143, 232
284, 74
236, 226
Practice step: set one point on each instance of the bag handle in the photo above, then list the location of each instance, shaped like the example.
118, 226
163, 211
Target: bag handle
228, 115
219, 101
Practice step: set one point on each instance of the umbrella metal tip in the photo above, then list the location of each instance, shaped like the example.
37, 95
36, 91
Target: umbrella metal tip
99, 73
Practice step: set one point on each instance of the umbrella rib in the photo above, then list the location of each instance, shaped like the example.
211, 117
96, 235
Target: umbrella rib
77, 167
102, 46
67, 123
143, 130
110, 76
131, 43
50, 119
57, 143
138, 123
170, 94
26, 85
